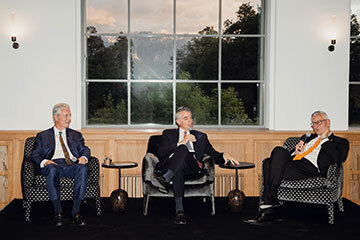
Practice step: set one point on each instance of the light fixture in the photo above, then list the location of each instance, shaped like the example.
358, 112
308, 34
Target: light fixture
331, 48
13, 31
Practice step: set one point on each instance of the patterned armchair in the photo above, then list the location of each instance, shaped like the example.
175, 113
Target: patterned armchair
201, 185
34, 185
317, 190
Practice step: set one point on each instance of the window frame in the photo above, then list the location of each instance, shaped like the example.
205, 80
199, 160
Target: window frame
262, 84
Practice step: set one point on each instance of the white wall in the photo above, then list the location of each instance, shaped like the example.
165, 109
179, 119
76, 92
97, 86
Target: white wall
303, 75
45, 69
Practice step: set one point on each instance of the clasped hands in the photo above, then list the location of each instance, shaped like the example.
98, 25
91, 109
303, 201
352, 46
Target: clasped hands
81, 161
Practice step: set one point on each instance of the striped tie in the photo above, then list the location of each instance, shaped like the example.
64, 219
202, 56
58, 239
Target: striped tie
300, 156
66, 153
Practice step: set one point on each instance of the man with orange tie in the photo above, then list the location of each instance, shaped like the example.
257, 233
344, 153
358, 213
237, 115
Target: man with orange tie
181, 154
311, 157
61, 152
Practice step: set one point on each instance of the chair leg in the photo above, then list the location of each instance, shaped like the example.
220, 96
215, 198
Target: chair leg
212, 204
330, 208
341, 205
145, 204
27, 206
98, 206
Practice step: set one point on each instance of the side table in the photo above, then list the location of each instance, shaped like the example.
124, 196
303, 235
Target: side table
119, 197
236, 197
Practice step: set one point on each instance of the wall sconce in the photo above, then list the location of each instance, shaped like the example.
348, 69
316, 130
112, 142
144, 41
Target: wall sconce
331, 48
15, 45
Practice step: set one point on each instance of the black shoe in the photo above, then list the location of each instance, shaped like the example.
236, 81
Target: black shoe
58, 219
265, 216
78, 220
180, 217
164, 185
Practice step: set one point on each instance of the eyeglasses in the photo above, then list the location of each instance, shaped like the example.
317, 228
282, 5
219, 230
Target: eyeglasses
318, 122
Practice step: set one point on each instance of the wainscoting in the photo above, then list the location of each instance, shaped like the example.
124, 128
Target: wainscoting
130, 145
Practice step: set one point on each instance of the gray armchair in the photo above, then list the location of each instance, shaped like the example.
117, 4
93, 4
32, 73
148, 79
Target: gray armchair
317, 190
197, 186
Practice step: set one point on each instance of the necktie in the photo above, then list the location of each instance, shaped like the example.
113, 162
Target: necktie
66, 153
188, 145
300, 156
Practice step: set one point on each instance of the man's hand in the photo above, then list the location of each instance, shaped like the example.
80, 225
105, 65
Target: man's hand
49, 162
82, 160
189, 137
300, 147
229, 159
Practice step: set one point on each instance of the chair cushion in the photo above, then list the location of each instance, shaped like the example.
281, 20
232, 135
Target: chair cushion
315, 182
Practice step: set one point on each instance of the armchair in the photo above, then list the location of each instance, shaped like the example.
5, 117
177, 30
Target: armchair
34, 185
316, 190
202, 185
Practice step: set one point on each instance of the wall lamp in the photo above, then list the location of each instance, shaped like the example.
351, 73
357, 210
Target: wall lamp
331, 48
15, 45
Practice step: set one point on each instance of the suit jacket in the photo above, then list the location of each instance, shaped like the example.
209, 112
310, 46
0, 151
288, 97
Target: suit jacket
45, 145
202, 146
333, 151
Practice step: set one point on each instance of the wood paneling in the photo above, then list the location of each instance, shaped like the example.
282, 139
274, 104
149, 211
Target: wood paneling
130, 145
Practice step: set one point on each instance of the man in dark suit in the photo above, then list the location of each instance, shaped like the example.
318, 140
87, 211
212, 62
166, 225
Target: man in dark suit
61, 152
311, 157
181, 154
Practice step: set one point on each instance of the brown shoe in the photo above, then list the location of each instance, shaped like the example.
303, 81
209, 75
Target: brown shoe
78, 220
58, 219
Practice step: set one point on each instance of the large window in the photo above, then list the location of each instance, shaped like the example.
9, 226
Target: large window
146, 58
354, 89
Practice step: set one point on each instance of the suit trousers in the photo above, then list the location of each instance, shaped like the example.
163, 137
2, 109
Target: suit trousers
280, 166
183, 164
54, 172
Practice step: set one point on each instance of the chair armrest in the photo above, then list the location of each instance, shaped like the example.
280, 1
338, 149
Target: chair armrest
209, 168
334, 178
93, 168
28, 172
148, 166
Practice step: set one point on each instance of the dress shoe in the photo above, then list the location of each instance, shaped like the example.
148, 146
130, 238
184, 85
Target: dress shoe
78, 220
164, 185
58, 219
265, 216
180, 217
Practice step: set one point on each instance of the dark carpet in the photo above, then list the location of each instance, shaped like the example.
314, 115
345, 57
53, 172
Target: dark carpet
300, 221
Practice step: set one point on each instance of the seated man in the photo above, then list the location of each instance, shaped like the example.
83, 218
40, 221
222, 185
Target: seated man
181, 154
61, 152
310, 158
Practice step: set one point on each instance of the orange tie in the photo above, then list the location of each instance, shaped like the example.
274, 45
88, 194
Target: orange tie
300, 156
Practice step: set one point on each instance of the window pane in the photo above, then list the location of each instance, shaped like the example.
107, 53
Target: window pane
197, 58
107, 103
107, 16
355, 60
193, 17
241, 16
151, 58
107, 57
155, 16
240, 104
202, 99
354, 105
355, 17
151, 103
240, 59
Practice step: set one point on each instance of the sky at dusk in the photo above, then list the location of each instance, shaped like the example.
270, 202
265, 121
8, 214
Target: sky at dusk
156, 16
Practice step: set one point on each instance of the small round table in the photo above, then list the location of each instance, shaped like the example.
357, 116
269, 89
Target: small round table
236, 197
119, 197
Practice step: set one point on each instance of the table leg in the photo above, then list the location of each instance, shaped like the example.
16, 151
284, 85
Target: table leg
119, 178
236, 180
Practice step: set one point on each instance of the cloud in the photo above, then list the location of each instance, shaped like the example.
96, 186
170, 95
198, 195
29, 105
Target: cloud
97, 17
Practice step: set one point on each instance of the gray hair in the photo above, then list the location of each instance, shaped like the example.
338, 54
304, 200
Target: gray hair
181, 109
324, 114
57, 108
